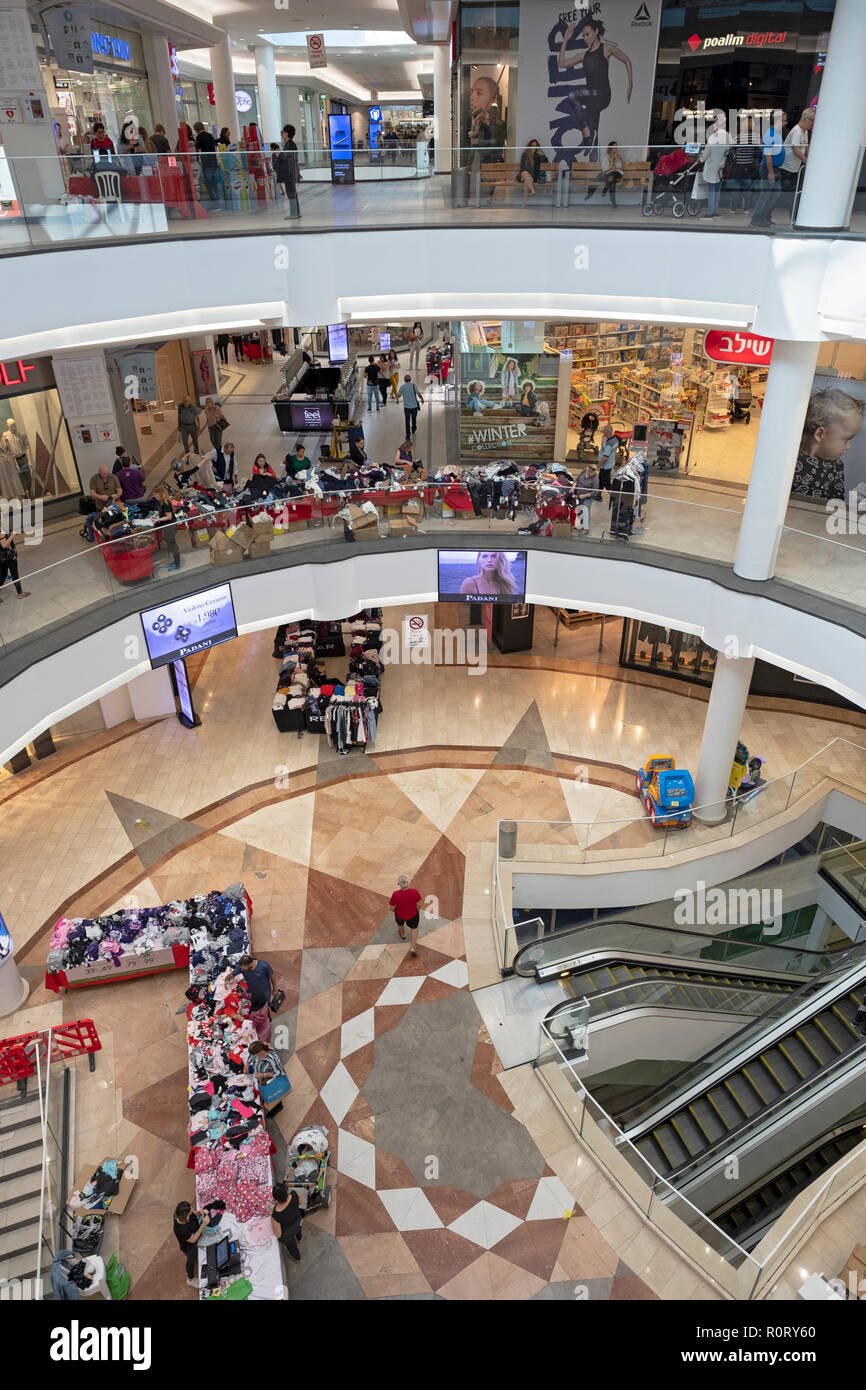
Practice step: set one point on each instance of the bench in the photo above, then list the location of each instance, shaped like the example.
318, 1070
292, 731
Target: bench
636, 174
497, 179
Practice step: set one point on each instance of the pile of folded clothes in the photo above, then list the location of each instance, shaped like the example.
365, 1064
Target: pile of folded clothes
80, 941
97, 1192
230, 1148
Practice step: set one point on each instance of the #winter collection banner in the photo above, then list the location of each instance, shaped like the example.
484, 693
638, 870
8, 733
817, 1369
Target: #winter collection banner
587, 76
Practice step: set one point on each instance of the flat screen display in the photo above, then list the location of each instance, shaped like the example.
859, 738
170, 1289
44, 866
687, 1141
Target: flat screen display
184, 695
338, 342
384, 342
340, 131
183, 626
313, 415
482, 576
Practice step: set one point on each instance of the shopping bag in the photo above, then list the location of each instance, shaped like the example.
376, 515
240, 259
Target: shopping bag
117, 1278
699, 188
275, 1089
279, 998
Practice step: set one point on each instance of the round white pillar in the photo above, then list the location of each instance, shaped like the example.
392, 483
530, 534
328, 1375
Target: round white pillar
269, 97
13, 989
225, 111
789, 385
835, 146
163, 98
721, 730
442, 108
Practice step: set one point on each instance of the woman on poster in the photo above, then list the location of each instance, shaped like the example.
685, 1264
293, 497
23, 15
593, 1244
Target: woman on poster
492, 576
595, 97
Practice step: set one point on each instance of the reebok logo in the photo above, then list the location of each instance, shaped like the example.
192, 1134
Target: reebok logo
694, 42
642, 18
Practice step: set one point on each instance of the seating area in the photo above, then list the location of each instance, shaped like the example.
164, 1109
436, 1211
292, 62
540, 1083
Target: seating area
498, 179
636, 174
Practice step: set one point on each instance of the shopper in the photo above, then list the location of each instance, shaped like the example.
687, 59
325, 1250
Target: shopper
266, 1066
286, 1219
713, 158
796, 154
298, 461
384, 377
586, 491
215, 420
356, 441
225, 141
414, 339
224, 466
210, 170
261, 467
119, 456
772, 159
238, 345
258, 976
189, 1226
103, 487
745, 158
412, 399
187, 423
405, 457
132, 480
222, 347
9, 564
610, 174
607, 456
394, 374
159, 140
166, 525
371, 372
406, 902
100, 142
530, 169
288, 170
185, 468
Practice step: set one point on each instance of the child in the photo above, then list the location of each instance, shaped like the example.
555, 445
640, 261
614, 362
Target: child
833, 421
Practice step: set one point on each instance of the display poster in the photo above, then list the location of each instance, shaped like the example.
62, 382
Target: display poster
204, 372
507, 408
482, 576
84, 386
831, 461
11, 110
484, 108
186, 625
19, 66
69, 31
138, 371
338, 342
664, 445
416, 630
316, 52
587, 76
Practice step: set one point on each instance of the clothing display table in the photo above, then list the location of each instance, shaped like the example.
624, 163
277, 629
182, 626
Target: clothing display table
165, 186
118, 946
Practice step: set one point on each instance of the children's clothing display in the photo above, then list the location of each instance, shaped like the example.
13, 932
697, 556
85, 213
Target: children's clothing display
139, 941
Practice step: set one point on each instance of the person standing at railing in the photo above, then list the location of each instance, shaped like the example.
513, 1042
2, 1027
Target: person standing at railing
213, 181
9, 564
796, 153
288, 171
772, 159
713, 158
165, 524
159, 140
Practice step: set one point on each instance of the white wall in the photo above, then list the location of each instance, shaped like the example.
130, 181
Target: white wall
781, 288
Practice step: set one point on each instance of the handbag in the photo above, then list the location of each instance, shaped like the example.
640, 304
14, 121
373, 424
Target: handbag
223, 423
275, 1089
279, 998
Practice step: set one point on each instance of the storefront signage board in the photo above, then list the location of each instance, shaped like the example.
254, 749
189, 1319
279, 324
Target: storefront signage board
746, 349
84, 387
71, 43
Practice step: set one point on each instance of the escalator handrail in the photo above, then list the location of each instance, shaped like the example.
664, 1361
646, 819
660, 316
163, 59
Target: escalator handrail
643, 984
671, 931
791, 1002
761, 1117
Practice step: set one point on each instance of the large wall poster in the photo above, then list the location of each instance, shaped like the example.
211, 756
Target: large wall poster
831, 461
587, 76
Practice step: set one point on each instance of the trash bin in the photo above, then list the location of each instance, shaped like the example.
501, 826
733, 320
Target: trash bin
459, 188
507, 839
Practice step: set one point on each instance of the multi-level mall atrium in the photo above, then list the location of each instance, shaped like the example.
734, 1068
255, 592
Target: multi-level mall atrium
479, 859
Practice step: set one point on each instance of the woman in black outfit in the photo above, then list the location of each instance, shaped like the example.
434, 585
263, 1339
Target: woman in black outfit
167, 525
286, 1218
596, 95
189, 1225
530, 169
9, 564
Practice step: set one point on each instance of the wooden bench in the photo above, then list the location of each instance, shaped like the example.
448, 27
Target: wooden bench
497, 179
636, 174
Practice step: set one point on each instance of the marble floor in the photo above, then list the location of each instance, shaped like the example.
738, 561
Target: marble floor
451, 1178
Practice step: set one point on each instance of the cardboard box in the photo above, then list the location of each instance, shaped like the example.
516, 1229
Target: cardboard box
243, 536
403, 526
562, 530
413, 508
225, 551
120, 1201
263, 528
259, 547
296, 526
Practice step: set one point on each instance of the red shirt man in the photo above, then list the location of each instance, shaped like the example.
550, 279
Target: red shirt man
405, 902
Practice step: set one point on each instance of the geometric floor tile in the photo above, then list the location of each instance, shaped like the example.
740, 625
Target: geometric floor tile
401, 990
409, 1209
356, 1158
357, 1032
490, 1278
485, 1225
339, 1092
551, 1199
454, 973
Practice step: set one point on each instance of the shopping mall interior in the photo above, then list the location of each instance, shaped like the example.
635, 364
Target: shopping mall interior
485, 924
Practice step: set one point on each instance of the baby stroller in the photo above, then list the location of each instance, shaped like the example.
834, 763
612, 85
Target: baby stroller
741, 402
307, 1167
672, 185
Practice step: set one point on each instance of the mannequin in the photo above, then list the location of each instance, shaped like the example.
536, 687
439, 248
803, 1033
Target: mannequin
16, 444
10, 482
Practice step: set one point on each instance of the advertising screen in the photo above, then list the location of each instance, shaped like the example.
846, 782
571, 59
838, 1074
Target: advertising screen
187, 625
316, 415
384, 342
482, 576
338, 342
186, 710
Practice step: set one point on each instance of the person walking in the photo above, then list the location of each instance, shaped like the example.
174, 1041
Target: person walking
189, 1226
414, 340
222, 347
9, 564
406, 903
371, 372
796, 154
411, 398
167, 526
772, 159
713, 161
210, 170
258, 976
384, 378
286, 1220
215, 420
394, 374
187, 423
238, 345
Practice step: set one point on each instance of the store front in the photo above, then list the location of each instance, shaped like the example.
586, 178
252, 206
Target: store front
486, 49
116, 90
36, 457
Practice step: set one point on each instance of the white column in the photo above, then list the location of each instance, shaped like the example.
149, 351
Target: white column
13, 989
721, 731
442, 107
151, 694
30, 145
269, 97
782, 416
563, 405
835, 152
819, 930
225, 111
163, 99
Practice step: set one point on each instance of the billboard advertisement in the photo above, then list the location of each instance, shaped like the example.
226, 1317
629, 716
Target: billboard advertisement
183, 626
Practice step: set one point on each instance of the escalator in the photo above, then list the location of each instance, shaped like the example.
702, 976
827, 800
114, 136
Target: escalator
750, 1215
807, 1038
695, 985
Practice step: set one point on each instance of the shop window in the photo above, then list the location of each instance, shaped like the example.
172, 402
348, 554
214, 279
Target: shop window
36, 457
648, 647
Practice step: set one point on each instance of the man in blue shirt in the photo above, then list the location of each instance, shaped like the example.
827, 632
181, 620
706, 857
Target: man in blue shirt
411, 398
772, 159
